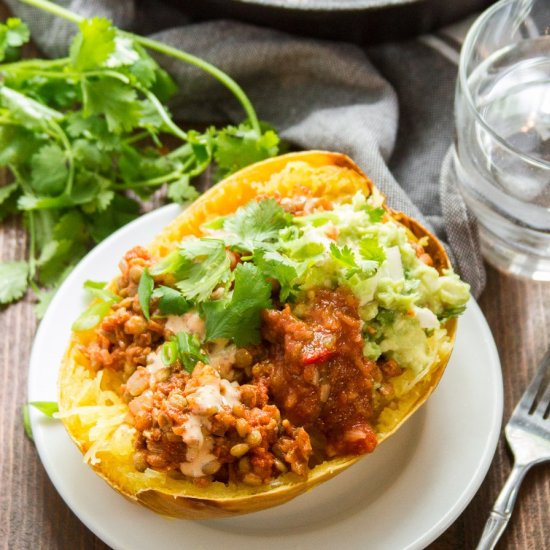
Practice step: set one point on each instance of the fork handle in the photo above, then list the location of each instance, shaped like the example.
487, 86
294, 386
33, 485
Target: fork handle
502, 510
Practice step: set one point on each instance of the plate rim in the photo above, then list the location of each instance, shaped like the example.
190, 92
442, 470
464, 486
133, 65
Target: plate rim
169, 212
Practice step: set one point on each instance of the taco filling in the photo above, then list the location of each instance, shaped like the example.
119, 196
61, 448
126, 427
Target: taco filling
273, 341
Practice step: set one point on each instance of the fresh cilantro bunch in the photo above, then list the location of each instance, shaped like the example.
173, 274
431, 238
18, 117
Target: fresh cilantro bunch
85, 138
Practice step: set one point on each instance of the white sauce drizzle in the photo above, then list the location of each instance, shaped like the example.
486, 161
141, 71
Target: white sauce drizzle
189, 322
210, 397
197, 458
156, 367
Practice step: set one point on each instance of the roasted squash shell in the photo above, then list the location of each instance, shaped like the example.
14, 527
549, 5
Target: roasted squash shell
93, 413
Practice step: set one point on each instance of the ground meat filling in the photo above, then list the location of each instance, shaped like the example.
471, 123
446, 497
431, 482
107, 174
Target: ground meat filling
316, 371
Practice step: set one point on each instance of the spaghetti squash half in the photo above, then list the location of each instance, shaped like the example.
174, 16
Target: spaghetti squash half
284, 325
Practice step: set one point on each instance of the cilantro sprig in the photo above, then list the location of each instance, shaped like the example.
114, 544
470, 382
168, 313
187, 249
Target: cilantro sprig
238, 317
256, 225
85, 137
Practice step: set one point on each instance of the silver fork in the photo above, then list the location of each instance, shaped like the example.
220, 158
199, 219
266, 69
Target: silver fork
528, 435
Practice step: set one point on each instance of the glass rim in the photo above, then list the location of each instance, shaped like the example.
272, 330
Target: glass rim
471, 37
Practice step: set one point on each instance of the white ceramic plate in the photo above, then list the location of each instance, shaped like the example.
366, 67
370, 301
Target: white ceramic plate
403, 496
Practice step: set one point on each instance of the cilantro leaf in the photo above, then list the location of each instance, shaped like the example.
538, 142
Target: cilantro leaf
375, 215
93, 45
65, 245
144, 70
199, 266
55, 256
13, 34
17, 32
346, 258
17, 145
92, 128
44, 223
92, 191
343, 255
123, 53
181, 192
13, 281
164, 86
370, 249
8, 200
44, 299
70, 226
7, 191
171, 301
90, 156
236, 147
121, 210
256, 224
25, 110
274, 265
145, 291
238, 318
114, 99
49, 170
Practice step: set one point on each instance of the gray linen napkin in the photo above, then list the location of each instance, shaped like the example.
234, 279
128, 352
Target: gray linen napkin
319, 95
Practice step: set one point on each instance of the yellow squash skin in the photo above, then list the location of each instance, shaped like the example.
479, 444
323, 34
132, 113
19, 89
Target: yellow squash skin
333, 175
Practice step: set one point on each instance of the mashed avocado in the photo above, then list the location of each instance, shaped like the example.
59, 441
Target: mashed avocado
403, 299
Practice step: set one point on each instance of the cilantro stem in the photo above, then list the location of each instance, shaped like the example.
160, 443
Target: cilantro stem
136, 137
174, 128
212, 70
66, 75
19, 178
170, 51
24, 63
185, 149
176, 174
111, 74
39, 72
35, 288
32, 248
54, 9
69, 151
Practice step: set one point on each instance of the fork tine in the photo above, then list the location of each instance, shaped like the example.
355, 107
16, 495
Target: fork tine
544, 399
528, 400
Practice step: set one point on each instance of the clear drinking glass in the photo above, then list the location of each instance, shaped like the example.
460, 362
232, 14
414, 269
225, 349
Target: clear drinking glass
501, 158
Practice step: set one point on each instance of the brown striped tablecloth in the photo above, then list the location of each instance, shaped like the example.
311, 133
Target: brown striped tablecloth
34, 517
